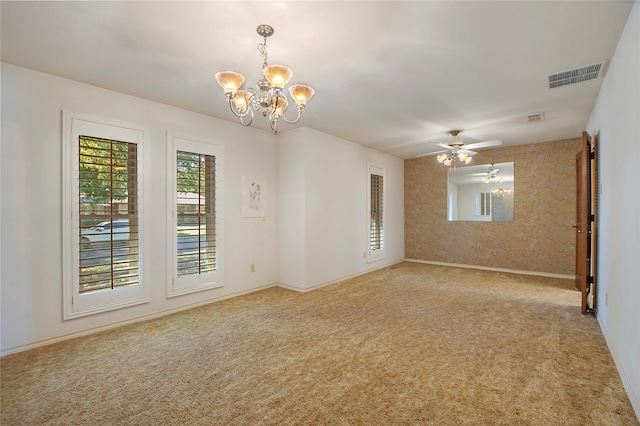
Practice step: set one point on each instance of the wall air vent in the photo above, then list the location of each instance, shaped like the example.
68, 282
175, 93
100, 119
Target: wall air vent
534, 118
576, 75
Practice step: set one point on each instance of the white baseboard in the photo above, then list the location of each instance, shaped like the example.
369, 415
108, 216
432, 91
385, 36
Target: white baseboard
487, 268
130, 321
229, 296
633, 398
176, 310
339, 280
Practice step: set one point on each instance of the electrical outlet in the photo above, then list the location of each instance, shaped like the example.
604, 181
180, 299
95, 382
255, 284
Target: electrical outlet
253, 267
606, 299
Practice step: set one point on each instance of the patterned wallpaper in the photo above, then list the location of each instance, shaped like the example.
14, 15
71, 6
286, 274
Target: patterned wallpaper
540, 238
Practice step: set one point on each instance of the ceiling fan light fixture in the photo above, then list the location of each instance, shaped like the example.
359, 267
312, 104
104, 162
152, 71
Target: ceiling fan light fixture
492, 175
459, 152
449, 159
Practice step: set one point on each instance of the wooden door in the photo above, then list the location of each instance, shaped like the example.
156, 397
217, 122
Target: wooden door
583, 277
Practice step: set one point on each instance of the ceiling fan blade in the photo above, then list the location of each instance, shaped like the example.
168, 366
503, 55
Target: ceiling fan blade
469, 152
430, 153
485, 144
443, 145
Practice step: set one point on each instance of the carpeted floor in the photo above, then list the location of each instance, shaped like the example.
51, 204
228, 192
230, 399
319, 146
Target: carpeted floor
409, 344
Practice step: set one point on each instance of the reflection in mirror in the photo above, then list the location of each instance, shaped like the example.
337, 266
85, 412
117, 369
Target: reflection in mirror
481, 193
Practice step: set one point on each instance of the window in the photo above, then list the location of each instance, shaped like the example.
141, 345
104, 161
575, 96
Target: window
375, 185
102, 229
195, 194
483, 204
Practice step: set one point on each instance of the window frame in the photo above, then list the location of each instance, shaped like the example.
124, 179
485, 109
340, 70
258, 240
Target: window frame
75, 125
186, 284
374, 255
483, 204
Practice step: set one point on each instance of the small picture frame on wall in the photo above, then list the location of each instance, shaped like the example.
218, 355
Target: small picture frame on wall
254, 197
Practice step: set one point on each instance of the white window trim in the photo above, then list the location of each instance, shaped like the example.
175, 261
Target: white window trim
376, 255
76, 124
177, 286
485, 208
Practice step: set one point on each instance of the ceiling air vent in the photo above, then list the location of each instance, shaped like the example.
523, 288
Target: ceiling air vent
534, 118
576, 75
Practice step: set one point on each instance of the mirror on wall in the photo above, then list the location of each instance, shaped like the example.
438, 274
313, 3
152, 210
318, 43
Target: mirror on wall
481, 193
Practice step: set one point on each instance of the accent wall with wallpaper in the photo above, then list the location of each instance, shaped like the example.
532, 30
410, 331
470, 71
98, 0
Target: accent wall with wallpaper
541, 237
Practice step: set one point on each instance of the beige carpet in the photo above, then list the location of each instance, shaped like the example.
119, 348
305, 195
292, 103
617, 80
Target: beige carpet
410, 344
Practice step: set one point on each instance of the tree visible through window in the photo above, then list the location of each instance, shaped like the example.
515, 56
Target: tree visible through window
196, 213
102, 198
195, 234
108, 216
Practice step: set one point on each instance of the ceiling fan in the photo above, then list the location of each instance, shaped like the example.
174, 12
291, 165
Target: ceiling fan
457, 150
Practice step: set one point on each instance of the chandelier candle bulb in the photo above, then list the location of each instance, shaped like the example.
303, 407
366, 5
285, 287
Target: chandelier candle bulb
277, 75
229, 81
279, 105
301, 93
240, 100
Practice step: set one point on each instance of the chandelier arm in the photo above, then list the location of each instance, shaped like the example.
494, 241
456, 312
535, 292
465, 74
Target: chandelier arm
250, 121
254, 100
300, 112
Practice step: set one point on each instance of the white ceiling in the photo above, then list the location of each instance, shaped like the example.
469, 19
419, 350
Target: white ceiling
392, 75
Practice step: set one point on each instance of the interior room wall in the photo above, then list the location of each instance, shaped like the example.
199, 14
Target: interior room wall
323, 181
467, 202
615, 126
31, 293
320, 215
540, 238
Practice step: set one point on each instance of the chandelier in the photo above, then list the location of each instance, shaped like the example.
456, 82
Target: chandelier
501, 192
269, 96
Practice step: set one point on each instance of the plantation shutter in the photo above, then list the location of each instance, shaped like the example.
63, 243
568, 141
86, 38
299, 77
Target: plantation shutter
196, 214
108, 215
376, 220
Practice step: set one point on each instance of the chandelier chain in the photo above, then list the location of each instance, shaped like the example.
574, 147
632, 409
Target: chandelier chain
262, 48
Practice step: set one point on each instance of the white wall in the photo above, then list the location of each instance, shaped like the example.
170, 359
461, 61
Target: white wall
314, 232
615, 122
466, 202
31, 177
291, 211
330, 213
